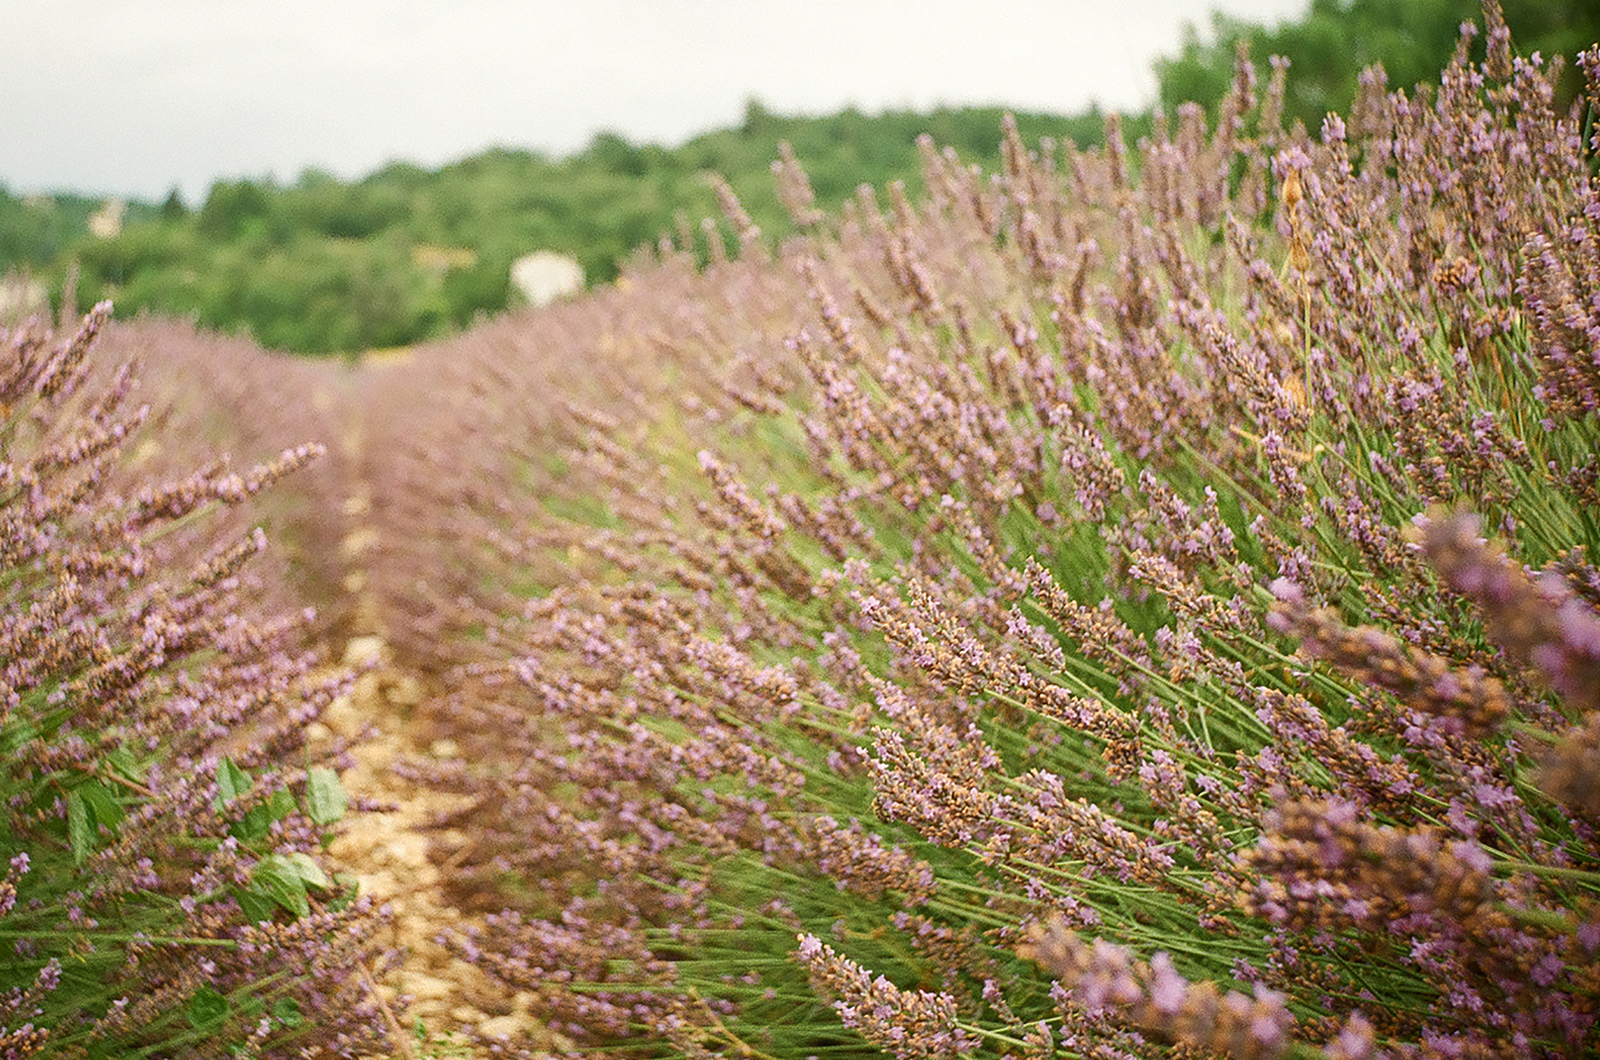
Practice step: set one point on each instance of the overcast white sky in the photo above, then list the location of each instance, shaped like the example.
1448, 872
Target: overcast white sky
133, 97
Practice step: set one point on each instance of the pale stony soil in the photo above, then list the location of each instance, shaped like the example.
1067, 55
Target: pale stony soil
389, 852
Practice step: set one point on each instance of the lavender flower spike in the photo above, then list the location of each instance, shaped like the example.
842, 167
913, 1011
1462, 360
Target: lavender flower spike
1538, 622
1155, 997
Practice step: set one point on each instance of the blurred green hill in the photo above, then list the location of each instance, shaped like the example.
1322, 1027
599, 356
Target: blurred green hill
405, 254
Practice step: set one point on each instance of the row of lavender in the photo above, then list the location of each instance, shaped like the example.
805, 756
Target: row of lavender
1138, 599
166, 891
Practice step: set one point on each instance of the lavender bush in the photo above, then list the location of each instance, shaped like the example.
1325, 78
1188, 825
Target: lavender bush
226, 400
165, 891
1138, 603
463, 436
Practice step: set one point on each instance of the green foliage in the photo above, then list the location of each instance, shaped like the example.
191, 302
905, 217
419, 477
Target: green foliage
408, 254
236, 209
36, 231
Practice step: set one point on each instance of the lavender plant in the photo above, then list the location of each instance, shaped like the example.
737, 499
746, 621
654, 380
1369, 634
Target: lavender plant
1137, 603
165, 891
245, 405
462, 437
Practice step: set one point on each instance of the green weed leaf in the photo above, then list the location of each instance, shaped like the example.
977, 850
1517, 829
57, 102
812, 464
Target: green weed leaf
287, 891
254, 825
231, 781
284, 878
79, 833
256, 907
326, 800
349, 888
287, 1012
281, 804
125, 763
207, 1008
105, 808
306, 869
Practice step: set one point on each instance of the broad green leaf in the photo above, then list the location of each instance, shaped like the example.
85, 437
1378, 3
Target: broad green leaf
105, 808
326, 800
254, 825
256, 907
123, 761
281, 804
257, 821
276, 877
207, 1008
79, 833
302, 866
287, 1012
231, 780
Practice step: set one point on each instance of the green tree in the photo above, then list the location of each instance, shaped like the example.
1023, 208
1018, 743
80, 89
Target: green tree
232, 205
613, 153
172, 207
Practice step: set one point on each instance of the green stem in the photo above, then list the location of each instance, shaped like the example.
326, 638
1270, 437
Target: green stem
1557, 872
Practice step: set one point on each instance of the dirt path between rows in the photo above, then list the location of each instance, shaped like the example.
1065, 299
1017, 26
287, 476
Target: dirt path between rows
434, 1000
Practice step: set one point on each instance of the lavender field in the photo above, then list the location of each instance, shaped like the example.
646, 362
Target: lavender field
1136, 603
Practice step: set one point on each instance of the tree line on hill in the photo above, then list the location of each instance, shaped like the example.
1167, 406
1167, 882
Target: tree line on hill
406, 254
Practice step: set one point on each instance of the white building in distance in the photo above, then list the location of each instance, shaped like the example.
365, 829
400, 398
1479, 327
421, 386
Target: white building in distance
545, 275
